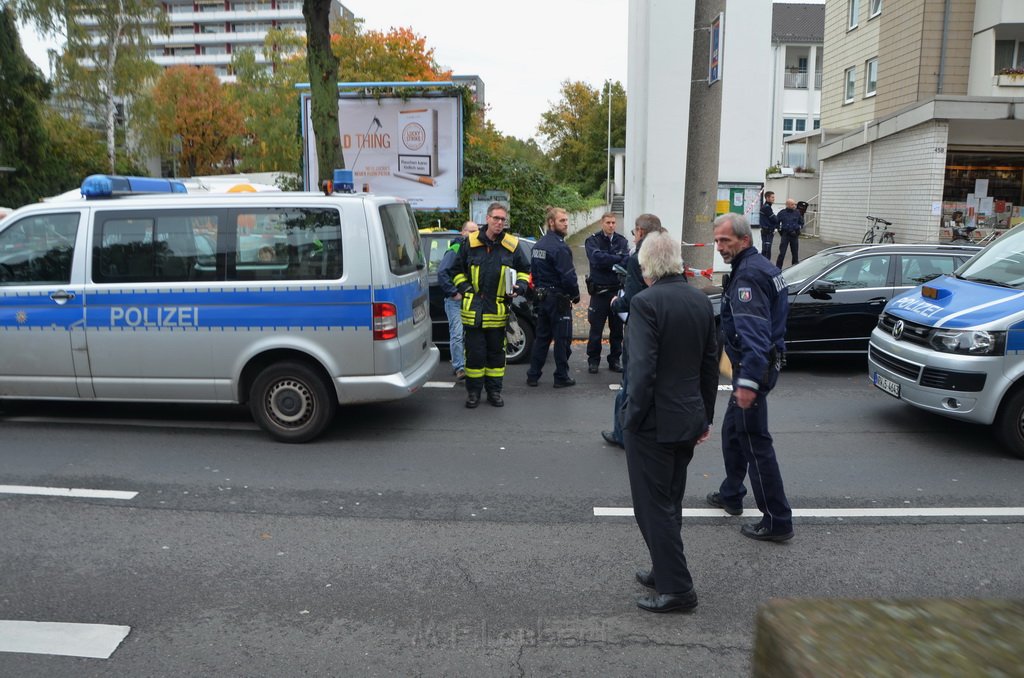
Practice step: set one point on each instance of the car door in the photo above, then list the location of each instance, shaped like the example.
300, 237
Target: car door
836, 312
42, 318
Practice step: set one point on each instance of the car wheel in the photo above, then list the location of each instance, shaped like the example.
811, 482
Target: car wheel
518, 340
291, 402
1010, 422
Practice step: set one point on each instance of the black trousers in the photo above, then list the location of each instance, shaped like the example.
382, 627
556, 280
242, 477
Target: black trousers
767, 235
748, 449
598, 313
791, 240
485, 359
657, 481
552, 324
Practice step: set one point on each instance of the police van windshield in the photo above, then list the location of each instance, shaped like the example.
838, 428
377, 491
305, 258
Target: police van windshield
1001, 263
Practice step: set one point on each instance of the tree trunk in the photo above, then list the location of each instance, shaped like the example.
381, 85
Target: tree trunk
323, 86
111, 106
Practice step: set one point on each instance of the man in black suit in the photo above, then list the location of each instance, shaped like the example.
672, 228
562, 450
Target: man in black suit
673, 381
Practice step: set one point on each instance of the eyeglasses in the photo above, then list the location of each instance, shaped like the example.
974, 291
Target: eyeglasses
500, 220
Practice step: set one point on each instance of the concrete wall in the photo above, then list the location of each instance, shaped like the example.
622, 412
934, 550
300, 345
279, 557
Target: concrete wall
897, 178
581, 221
660, 34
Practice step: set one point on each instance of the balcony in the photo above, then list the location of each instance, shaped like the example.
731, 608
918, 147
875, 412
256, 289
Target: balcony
800, 79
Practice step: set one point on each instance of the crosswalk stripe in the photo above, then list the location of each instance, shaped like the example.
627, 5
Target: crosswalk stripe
66, 492
97, 641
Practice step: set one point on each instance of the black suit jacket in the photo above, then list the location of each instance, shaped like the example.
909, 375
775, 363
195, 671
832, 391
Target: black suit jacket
672, 379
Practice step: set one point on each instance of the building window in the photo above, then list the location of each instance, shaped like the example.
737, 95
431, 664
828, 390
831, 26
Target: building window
1009, 55
876, 8
870, 77
853, 13
817, 123
793, 126
851, 85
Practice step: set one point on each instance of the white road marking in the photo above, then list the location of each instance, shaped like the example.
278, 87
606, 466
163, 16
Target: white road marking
97, 641
955, 512
66, 492
439, 384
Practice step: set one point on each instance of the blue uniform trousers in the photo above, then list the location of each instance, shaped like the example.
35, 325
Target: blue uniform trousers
792, 241
767, 235
598, 314
657, 481
552, 324
747, 448
620, 396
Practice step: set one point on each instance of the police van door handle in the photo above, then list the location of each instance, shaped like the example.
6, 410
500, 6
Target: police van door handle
62, 297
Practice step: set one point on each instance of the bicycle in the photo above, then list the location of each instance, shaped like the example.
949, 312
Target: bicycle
886, 237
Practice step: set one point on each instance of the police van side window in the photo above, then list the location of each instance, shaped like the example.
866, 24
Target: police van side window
38, 250
155, 246
284, 243
402, 238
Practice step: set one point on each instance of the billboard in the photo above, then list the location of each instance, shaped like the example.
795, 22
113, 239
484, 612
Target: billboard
406, 147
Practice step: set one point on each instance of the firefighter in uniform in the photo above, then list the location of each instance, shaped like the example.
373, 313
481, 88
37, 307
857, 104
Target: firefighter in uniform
557, 289
489, 270
754, 309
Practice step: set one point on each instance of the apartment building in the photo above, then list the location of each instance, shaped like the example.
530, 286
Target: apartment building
921, 116
798, 35
208, 32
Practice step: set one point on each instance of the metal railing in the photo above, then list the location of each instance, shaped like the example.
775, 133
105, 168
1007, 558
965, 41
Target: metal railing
800, 80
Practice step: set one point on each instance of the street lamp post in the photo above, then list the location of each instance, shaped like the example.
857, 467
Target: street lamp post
608, 155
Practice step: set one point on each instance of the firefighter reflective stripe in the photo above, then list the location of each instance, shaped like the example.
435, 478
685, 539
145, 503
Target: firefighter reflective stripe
476, 373
474, 270
522, 276
501, 282
491, 372
491, 320
459, 279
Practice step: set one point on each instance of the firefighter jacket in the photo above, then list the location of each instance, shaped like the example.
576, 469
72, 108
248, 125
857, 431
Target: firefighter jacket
479, 273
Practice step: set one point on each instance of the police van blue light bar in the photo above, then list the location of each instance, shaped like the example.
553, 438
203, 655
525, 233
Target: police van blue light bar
107, 186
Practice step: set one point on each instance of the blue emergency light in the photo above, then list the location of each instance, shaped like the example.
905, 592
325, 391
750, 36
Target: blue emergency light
108, 186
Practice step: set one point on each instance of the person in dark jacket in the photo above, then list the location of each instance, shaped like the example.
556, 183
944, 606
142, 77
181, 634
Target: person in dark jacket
769, 224
644, 225
453, 301
791, 222
754, 309
669, 408
605, 249
556, 289
487, 272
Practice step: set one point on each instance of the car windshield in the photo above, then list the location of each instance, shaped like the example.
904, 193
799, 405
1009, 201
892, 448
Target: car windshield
811, 267
1001, 263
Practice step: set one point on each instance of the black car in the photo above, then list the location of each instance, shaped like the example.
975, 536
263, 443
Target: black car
521, 324
836, 296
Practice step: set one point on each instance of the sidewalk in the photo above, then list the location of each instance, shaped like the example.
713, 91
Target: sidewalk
581, 327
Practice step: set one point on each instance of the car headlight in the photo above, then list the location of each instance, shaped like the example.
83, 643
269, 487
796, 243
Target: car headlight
969, 342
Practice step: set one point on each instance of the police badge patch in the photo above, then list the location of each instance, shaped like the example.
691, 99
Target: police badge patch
744, 294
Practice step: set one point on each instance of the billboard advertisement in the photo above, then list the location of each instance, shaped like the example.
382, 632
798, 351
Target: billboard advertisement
406, 147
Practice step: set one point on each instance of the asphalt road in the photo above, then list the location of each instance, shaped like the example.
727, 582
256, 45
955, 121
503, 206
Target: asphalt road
421, 538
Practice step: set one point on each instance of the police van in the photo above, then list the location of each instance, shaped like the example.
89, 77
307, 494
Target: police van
290, 302
955, 345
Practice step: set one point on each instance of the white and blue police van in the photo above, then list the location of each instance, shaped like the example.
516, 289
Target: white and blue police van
955, 345
291, 302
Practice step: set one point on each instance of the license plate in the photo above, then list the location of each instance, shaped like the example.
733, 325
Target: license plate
887, 385
419, 313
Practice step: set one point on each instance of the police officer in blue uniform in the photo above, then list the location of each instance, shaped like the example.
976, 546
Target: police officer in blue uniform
605, 249
556, 289
754, 309
769, 224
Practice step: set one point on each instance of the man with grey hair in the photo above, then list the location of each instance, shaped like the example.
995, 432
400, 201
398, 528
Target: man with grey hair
668, 409
754, 309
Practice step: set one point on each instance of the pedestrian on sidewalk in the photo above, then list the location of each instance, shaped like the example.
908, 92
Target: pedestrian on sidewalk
453, 301
556, 289
791, 222
769, 224
605, 249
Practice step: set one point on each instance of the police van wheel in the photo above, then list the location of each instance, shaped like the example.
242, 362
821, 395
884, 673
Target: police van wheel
291, 402
1010, 423
518, 340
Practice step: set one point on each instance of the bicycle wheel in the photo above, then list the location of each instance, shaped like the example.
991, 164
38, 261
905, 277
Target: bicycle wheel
869, 237
888, 238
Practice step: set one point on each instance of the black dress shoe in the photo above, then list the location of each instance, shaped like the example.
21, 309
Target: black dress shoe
472, 399
715, 499
566, 383
761, 533
615, 367
592, 368
609, 438
645, 578
531, 382
495, 399
668, 602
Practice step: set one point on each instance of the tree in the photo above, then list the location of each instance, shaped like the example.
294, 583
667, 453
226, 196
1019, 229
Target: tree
191, 103
266, 100
376, 56
322, 64
575, 130
105, 61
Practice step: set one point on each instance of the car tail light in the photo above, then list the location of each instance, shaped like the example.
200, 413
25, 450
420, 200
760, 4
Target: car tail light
385, 321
